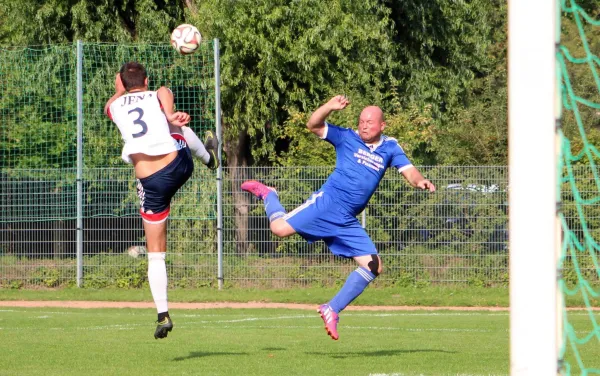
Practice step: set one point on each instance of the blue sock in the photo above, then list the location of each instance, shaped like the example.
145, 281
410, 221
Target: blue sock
273, 207
356, 283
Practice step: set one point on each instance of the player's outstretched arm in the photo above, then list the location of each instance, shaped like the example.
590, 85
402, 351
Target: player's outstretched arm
119, 90
168, 103
316, 123
414, 178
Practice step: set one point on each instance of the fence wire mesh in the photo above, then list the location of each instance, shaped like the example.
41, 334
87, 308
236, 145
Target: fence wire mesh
457, 235
38, 174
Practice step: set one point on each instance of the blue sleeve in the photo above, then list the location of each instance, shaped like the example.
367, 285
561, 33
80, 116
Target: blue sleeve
333, 134
400, 160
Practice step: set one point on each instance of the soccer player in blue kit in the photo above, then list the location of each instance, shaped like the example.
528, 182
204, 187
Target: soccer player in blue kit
329, 214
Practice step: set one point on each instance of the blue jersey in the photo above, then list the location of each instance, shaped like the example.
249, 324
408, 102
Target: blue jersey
359, 167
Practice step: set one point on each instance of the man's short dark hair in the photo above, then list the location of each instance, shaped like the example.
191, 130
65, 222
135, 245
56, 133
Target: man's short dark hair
133, 75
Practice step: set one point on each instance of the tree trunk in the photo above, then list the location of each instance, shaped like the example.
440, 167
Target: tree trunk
238, 156
190, 4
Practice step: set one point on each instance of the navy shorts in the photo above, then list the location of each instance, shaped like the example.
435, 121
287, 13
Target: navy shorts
320, 217
157, 190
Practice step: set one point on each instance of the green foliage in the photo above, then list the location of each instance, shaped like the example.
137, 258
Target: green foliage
38, 112
584, 85
110, 270
16, 284
47, 276
38, 22
414, 126
280, 60
442, 46
473, 129
38, 140
286, 57
190, 78
477, 134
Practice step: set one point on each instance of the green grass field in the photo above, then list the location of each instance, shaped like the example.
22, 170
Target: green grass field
435, 296
45, 341
57, 341
251, 342
427, 296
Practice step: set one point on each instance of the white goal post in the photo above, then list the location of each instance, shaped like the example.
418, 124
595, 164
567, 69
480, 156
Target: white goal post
532, 100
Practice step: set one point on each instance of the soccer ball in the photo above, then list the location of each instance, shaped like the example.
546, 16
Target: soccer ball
185, 39
136, 250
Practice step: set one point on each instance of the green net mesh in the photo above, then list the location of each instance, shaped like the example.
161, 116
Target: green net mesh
580, 183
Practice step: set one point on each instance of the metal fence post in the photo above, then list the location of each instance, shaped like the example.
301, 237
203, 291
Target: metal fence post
79, 163
364, 218
218, 130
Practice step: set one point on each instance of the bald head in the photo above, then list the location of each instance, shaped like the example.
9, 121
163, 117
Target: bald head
371, 124
373, 112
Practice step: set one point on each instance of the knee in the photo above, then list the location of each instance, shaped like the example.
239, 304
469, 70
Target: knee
375, 265
281, 228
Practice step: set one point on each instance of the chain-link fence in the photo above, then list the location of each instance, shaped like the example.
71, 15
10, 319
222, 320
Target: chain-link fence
68, 208
69, 213
456, 235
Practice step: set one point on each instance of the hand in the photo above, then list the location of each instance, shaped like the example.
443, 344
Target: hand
119, 88
178, 118
339, 102
426, 184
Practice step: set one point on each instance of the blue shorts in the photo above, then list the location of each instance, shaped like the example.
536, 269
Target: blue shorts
157, 190
322, 218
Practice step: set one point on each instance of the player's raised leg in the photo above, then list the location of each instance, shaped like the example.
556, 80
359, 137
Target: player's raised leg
211, 144
206, 152
273, 208
156, 242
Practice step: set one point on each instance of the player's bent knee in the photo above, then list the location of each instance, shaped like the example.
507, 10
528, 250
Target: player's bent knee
375, 265
281, 228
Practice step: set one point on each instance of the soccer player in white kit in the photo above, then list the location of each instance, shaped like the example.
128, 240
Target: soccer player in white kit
157, 143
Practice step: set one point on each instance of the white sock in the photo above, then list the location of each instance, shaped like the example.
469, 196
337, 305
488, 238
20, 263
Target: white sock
195, 145
157, 278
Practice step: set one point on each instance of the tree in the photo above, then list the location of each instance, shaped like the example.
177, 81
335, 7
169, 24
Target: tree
453, 58
449, 66
442, 45
285, 57
37, 22
413, 125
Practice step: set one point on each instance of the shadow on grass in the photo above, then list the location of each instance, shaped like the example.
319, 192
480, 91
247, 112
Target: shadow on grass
376, 353
203, 354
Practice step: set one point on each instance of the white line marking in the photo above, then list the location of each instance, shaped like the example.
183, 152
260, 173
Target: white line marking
47, 312
320, 327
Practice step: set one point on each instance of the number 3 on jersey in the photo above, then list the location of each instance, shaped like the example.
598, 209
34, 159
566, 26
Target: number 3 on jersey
139, 121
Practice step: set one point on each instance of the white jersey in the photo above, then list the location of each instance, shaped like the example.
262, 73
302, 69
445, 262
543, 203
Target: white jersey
143, 125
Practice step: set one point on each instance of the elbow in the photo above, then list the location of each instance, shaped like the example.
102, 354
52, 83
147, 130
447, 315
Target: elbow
314, 125
162, 91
